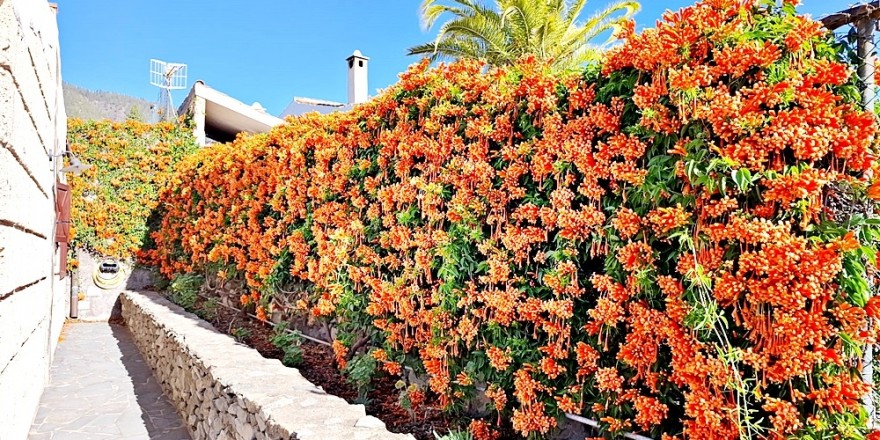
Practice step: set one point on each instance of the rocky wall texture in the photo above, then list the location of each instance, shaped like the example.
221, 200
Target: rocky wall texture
33, 298
225, 390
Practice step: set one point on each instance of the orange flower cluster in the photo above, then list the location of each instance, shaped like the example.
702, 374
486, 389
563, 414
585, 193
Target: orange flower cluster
646, 243
113, 199
664, 220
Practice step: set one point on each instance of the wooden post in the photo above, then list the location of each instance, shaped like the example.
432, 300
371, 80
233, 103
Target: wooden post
865, 50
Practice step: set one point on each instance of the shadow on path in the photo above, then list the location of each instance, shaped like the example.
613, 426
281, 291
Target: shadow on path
101, 388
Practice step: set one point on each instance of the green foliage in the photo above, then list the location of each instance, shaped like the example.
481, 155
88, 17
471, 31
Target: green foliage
360, 371
241, 334
184, 290
289, 343
503, 33
454, 435
208, 309
135, 115
160, 282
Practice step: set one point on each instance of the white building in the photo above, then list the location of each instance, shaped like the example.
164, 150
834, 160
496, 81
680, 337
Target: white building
218, 117
358, 91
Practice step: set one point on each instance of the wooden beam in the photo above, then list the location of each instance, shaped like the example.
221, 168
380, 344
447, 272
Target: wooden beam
852, 15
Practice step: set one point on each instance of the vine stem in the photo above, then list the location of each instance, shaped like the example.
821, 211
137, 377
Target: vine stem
287, 330
595, 424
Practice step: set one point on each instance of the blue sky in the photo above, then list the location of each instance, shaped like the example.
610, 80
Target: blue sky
260, 50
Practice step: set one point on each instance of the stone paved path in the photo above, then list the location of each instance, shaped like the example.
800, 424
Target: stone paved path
100, 388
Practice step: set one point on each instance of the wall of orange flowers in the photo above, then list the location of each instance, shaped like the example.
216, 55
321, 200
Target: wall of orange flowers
677, 242
113, 199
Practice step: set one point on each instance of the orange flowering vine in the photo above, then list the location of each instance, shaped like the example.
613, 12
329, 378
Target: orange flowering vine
657, 242
112, 200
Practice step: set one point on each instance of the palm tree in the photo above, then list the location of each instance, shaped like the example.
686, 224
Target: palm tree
547, 29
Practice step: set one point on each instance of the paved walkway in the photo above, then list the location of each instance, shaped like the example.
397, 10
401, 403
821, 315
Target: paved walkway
100, 388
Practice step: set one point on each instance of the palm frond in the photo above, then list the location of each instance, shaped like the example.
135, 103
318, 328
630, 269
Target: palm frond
430, 11
506, 30
611, 18
574, 11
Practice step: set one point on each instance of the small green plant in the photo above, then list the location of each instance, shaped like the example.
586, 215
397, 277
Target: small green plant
160, 282
184, 290
363, 400
289, 343
405, 399
360, 371
454, 435
241, 334
208, 309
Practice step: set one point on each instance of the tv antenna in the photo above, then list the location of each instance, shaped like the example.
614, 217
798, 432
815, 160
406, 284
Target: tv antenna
167, 77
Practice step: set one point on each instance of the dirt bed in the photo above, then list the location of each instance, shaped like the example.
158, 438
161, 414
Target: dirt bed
319, 368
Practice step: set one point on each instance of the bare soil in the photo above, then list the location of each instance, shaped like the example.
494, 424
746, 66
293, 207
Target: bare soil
319, 367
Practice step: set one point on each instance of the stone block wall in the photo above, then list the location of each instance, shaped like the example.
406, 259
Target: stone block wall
225, 390
33, 298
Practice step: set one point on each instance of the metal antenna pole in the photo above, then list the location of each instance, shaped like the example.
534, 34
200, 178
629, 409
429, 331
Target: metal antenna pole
167, 77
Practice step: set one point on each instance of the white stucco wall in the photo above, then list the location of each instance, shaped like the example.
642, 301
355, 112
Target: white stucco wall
33, 300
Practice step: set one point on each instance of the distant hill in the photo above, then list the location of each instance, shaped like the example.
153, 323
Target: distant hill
88, 104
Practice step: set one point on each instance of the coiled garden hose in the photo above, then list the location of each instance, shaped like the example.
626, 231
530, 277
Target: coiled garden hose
108, 275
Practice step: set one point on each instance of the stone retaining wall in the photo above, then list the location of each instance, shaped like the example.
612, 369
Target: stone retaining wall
225, 390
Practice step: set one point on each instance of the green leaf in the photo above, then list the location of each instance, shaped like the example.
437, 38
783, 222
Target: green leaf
743, 179
869, 253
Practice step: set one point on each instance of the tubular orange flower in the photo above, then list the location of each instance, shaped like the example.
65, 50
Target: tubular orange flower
649, 412
664, 220
607, 379
341, 351
626, 223
482, 431
533, 419
874, 191
635, 256
498, 359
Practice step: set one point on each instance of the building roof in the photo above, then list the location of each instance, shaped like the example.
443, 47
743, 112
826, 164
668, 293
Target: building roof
226, 116
299, 105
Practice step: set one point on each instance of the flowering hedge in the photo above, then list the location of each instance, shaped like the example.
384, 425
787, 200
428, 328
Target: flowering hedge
673, 243
114, 198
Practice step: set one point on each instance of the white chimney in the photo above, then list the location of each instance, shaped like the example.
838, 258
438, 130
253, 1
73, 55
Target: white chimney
357, 78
